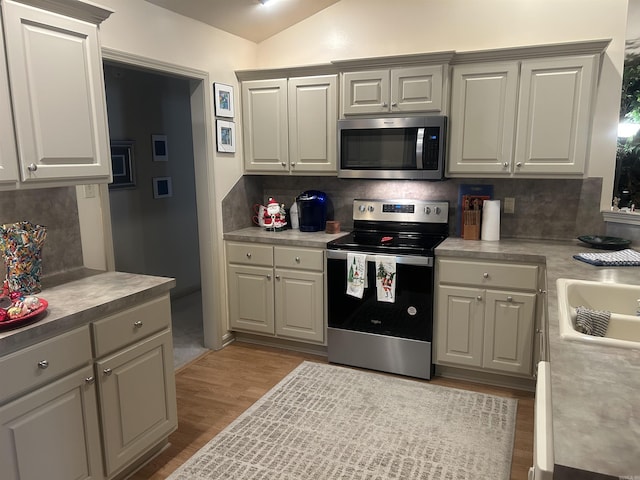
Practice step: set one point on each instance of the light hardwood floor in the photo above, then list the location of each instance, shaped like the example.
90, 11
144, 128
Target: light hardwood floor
217, 387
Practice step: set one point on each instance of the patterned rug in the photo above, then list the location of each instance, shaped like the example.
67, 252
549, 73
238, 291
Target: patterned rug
330, 422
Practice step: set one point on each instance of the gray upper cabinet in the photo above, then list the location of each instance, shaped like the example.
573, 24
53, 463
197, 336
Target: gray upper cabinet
57, 91
394, 90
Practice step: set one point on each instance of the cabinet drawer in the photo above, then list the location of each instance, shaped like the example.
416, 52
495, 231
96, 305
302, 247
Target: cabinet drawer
250, 254
307, 259
132, 325
44, 361
488, 274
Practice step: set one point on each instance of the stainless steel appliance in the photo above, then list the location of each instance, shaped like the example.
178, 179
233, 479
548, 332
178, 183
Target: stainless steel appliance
365, 332
408, 147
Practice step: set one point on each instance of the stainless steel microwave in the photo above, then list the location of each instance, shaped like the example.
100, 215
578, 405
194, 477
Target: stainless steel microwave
408, 147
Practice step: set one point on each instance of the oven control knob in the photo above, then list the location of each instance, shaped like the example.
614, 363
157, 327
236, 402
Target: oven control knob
362, 208
371, 209
438, 210
427, 210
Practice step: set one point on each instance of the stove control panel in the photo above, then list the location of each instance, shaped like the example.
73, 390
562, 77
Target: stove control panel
405, 210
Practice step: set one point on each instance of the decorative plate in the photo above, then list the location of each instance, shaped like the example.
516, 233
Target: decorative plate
606, 243
25, 319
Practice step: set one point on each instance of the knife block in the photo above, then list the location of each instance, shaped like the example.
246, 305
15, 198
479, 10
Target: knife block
471, 224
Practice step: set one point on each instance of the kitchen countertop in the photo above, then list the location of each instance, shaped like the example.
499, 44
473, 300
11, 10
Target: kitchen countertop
285, 237
82, 300
595, 390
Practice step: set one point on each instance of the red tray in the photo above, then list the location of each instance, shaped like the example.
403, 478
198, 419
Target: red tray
25, 319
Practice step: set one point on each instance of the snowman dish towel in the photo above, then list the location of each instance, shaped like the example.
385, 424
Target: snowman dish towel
386, 278
356, 274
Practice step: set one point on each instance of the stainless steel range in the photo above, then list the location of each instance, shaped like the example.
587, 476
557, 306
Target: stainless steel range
380, 286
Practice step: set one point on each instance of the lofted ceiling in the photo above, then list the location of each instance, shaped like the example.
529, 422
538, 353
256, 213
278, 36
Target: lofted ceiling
247, 18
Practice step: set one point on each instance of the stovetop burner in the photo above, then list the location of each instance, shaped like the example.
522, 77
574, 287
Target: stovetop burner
396, 227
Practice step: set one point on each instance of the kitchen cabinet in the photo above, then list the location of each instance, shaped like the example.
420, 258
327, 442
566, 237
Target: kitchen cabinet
522, 117
57, 92
289, 125
90, 402
486, 315
393, 90
8, 152
276, 291
136, 385
52, 431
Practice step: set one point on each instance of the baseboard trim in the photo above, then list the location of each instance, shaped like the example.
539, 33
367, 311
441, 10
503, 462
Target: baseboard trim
301, 347
494, 379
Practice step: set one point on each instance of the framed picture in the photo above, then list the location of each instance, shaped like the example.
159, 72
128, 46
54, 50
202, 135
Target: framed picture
122, 165
226, 136
223, 100
162, 187
159, 148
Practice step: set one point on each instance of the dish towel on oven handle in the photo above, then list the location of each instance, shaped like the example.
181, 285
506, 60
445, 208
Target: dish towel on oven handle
356, 274
386, 278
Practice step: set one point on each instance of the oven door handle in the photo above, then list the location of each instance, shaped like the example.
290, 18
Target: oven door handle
400, 259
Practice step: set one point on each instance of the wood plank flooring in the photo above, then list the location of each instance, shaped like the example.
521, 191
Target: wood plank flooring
217, 387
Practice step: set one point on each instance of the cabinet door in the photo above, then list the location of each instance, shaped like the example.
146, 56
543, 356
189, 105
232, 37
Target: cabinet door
8, 153
554, 115
251, 298
416, 89
265, 126
299, 305
482, 119
57, 88
508, 334
365, 92
137, 398
53, 433
460, 325
313, 112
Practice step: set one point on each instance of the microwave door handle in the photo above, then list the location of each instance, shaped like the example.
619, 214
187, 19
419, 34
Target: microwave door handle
419, 149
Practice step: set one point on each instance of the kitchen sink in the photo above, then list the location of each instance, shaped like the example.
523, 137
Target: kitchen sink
619, 299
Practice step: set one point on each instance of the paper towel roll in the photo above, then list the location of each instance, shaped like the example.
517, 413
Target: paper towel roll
490, 220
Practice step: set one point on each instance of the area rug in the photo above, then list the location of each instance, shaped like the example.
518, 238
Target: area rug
331, 422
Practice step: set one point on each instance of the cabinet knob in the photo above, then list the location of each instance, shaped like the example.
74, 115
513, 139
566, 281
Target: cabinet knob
278, 277
32, 167
479, 298
519, 164
394, 105
248, 254
107, 372
297, 259
485, 275
284, 164
89, 380
137, 324
42, 364
509, 299
505, 165
293, 164
268, 276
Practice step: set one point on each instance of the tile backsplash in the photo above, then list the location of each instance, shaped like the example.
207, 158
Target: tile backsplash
544, 209
56, 209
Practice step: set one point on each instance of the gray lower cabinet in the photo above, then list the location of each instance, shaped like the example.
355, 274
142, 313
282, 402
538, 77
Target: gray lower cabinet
91, 402
276, 291
486, 315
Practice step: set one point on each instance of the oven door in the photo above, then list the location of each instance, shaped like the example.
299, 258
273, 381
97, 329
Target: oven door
410, 316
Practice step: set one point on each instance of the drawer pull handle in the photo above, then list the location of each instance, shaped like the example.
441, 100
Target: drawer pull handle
485, 275
509, 299
297, 259
138, 324
89, 380
479, 298
107, 371
42, 364
248, 254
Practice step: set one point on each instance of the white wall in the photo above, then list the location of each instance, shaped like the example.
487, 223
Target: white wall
369, 28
